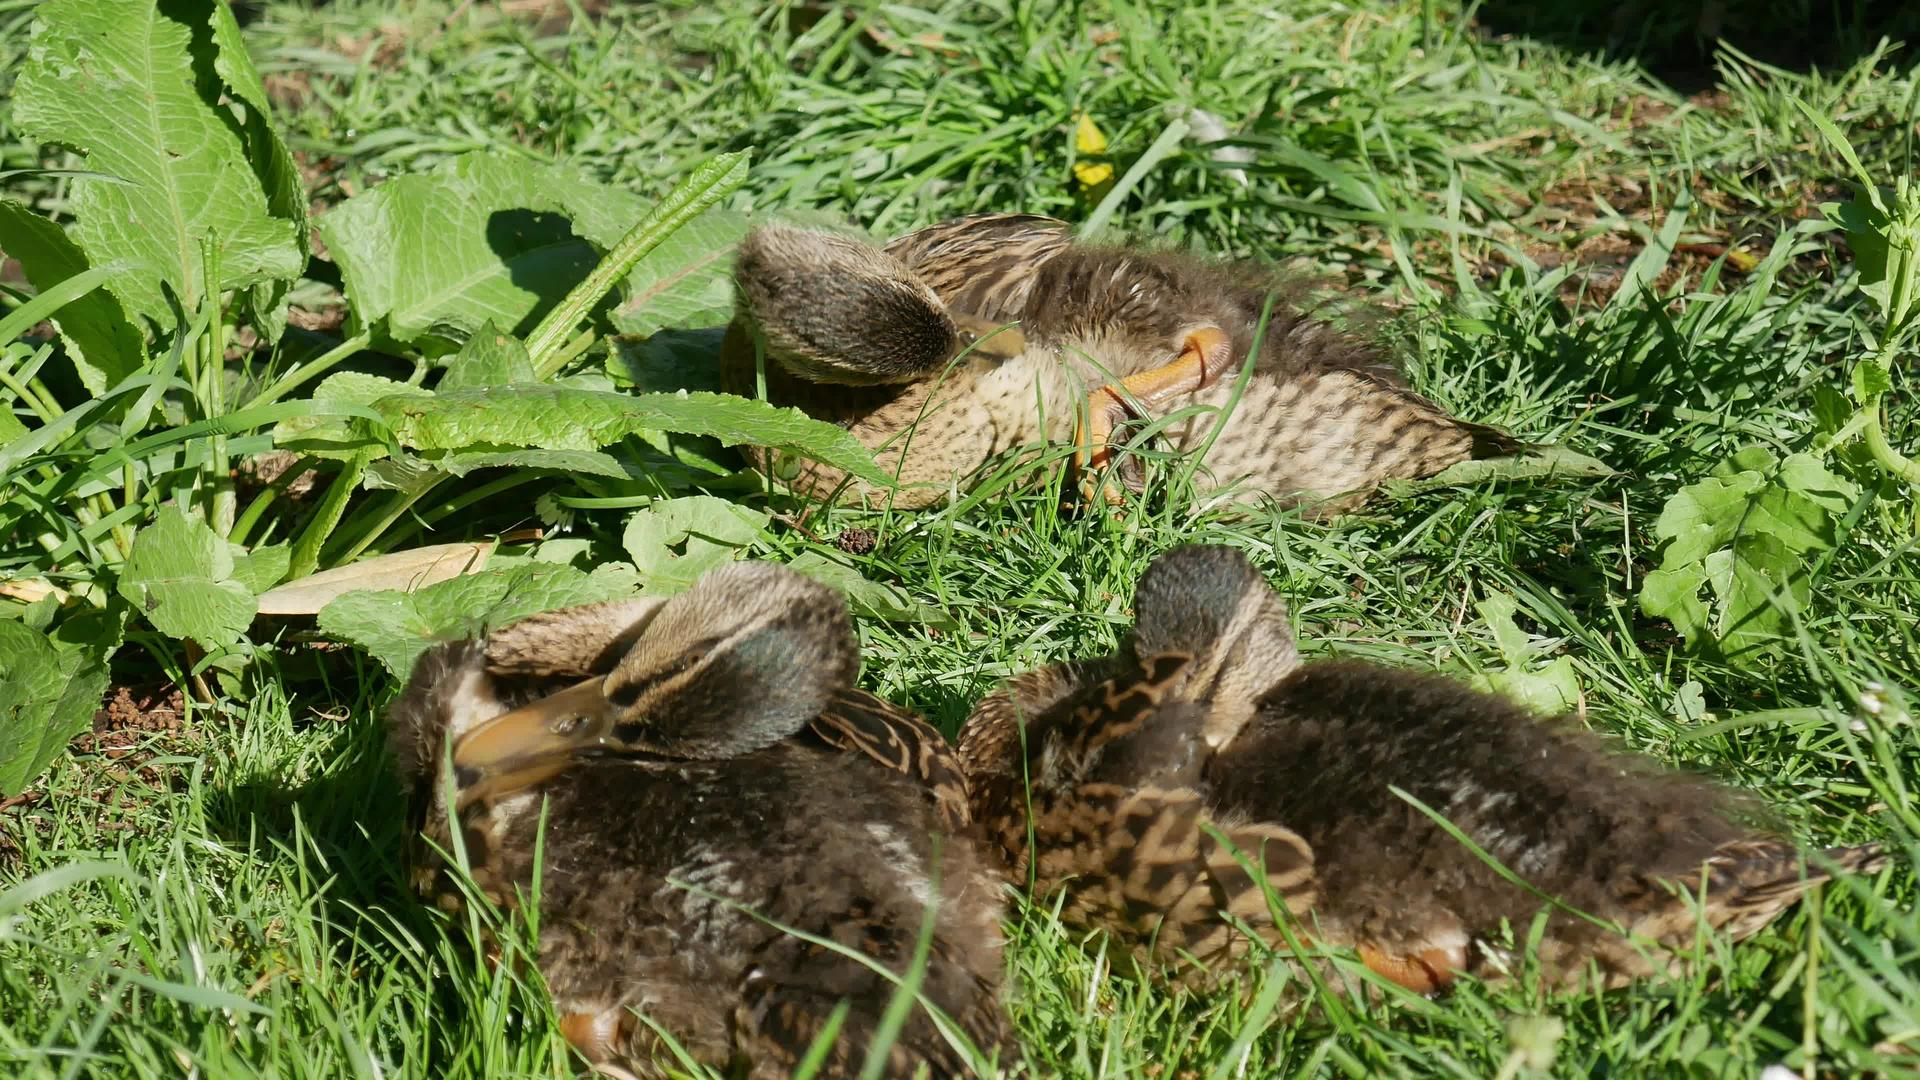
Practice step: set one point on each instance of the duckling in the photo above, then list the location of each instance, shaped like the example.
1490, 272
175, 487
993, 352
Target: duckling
709, 801
1117, 778
910, 348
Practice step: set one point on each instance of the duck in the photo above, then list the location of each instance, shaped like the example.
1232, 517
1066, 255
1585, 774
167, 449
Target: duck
974, 337
1201, 791
732, 842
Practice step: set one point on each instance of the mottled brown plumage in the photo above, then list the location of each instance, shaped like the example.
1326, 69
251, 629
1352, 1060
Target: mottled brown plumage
907, 347
715, 771
1207, 715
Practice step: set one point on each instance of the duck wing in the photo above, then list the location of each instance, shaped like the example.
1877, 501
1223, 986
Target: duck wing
858, 721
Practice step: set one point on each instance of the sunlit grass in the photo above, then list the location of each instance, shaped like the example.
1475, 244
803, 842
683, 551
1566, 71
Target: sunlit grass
235, 907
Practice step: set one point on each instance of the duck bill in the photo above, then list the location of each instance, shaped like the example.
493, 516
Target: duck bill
552, 728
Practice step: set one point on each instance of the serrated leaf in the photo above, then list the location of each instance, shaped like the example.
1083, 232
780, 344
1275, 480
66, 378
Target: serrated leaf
180, 577
1535, 463
1744, 536
103, 345
563, 418
49, 696
116, 80
272, 162
396, 627
1553, 689
675, 541
1867, 229
336, 437
1871, 379
402, 571
1690, 703
1674, 595
686, 281
586, 462
489, 358
1808, 477
489, 237
1498, 609
867, 597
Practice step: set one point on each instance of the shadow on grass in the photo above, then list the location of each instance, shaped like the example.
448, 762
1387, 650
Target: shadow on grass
1675, 39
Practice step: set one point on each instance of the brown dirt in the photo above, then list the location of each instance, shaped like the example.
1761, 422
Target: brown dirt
856, 541
262, 470
129, 715
133, 726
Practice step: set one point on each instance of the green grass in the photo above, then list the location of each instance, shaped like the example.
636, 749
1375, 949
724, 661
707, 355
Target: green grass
229, 901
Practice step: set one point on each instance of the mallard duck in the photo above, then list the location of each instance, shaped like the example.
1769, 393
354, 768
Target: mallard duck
1105, 777
910, 348
710, 780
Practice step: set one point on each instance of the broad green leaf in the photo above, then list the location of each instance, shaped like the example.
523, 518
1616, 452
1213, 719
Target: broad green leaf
414, 471
1866, 226
272, 162
562, 418
489, 358
868, 598
263, 567
1553, 688
588, 462
1808, 477
687, 280
1498, 609
337, 437
117, 80
1871, 379
396, 627
1536, 463
675, 541
103, 345
180, 577
1745, 536
489, 237
1674, 595
49, 695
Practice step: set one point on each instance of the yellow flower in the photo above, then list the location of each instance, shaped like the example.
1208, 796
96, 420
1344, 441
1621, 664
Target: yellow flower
1090, 142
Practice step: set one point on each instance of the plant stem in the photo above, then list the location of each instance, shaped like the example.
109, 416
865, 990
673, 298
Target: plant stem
224, 501
306, 550
33, 401
465, 499
712, 181
319, 365
1893, 461
243, 526
403, 502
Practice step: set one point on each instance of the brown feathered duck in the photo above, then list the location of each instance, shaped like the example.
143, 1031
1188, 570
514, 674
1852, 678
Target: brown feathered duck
1104, 777
707, 769
908, 346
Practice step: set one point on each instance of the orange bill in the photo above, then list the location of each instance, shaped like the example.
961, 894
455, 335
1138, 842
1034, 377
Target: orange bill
577, 718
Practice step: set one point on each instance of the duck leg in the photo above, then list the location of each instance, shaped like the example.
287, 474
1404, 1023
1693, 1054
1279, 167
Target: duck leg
1204, 355
602, 1038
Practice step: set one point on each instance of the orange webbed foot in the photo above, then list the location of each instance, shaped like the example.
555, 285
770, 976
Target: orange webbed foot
1204, 355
